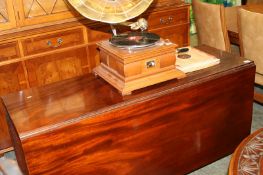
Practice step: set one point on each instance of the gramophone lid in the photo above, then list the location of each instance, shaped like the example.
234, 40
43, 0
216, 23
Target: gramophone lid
110, 11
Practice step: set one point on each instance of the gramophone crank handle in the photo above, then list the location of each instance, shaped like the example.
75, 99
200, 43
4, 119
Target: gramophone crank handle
139, 24
114, 31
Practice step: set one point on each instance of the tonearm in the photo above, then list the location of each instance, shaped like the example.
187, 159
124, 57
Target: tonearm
141, 24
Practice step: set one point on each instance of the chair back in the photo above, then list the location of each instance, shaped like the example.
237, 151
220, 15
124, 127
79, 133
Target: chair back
210, 25
250, 25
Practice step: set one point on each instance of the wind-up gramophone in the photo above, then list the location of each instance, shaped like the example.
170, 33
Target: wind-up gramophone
132, 60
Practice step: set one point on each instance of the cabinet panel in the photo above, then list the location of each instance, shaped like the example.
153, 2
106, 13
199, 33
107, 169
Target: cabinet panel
57, 40
95, 34
48, 69
9, 51
41, 11
99, 32
12, 78
168, 18
94, 56
7, 16
176, 34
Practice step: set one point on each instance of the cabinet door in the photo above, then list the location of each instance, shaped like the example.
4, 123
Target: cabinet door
7, 16
41, 11
60, 66
12, 78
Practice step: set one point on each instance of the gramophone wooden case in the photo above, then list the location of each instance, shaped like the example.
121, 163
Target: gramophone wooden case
131, 69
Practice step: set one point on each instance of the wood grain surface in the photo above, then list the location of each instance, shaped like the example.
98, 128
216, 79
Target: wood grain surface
12, 78
84, 126
53, 41
34, 44
5, 142
9, 51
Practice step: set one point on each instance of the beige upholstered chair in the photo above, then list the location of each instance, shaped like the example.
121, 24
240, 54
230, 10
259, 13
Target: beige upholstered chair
250, 26
210, 25
231, 18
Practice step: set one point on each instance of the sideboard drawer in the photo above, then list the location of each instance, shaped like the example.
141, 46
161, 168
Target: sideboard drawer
9, 50
53, 41
168, 18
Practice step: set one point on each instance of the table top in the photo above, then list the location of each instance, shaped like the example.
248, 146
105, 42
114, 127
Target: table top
42, 109
247, 158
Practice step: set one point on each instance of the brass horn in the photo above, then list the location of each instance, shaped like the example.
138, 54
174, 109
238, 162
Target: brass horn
110, 11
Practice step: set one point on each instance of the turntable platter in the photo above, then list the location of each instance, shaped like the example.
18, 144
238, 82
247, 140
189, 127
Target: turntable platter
134, 40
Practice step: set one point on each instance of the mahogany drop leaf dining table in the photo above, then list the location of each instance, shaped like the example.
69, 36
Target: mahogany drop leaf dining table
84, 126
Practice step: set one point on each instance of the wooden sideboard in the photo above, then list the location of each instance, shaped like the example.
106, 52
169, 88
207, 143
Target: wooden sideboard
50, 42
85, 126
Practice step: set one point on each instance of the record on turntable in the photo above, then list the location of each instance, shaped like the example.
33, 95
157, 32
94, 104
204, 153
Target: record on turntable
132, 60
134, 40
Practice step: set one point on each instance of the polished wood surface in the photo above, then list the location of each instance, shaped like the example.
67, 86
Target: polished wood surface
172, 25
36, 36
248, 155
9, 50
84, 126
4, 134
168, 18
12, 78
57, 67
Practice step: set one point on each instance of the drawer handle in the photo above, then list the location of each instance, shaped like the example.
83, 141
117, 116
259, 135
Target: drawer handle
59, 42
169, 20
